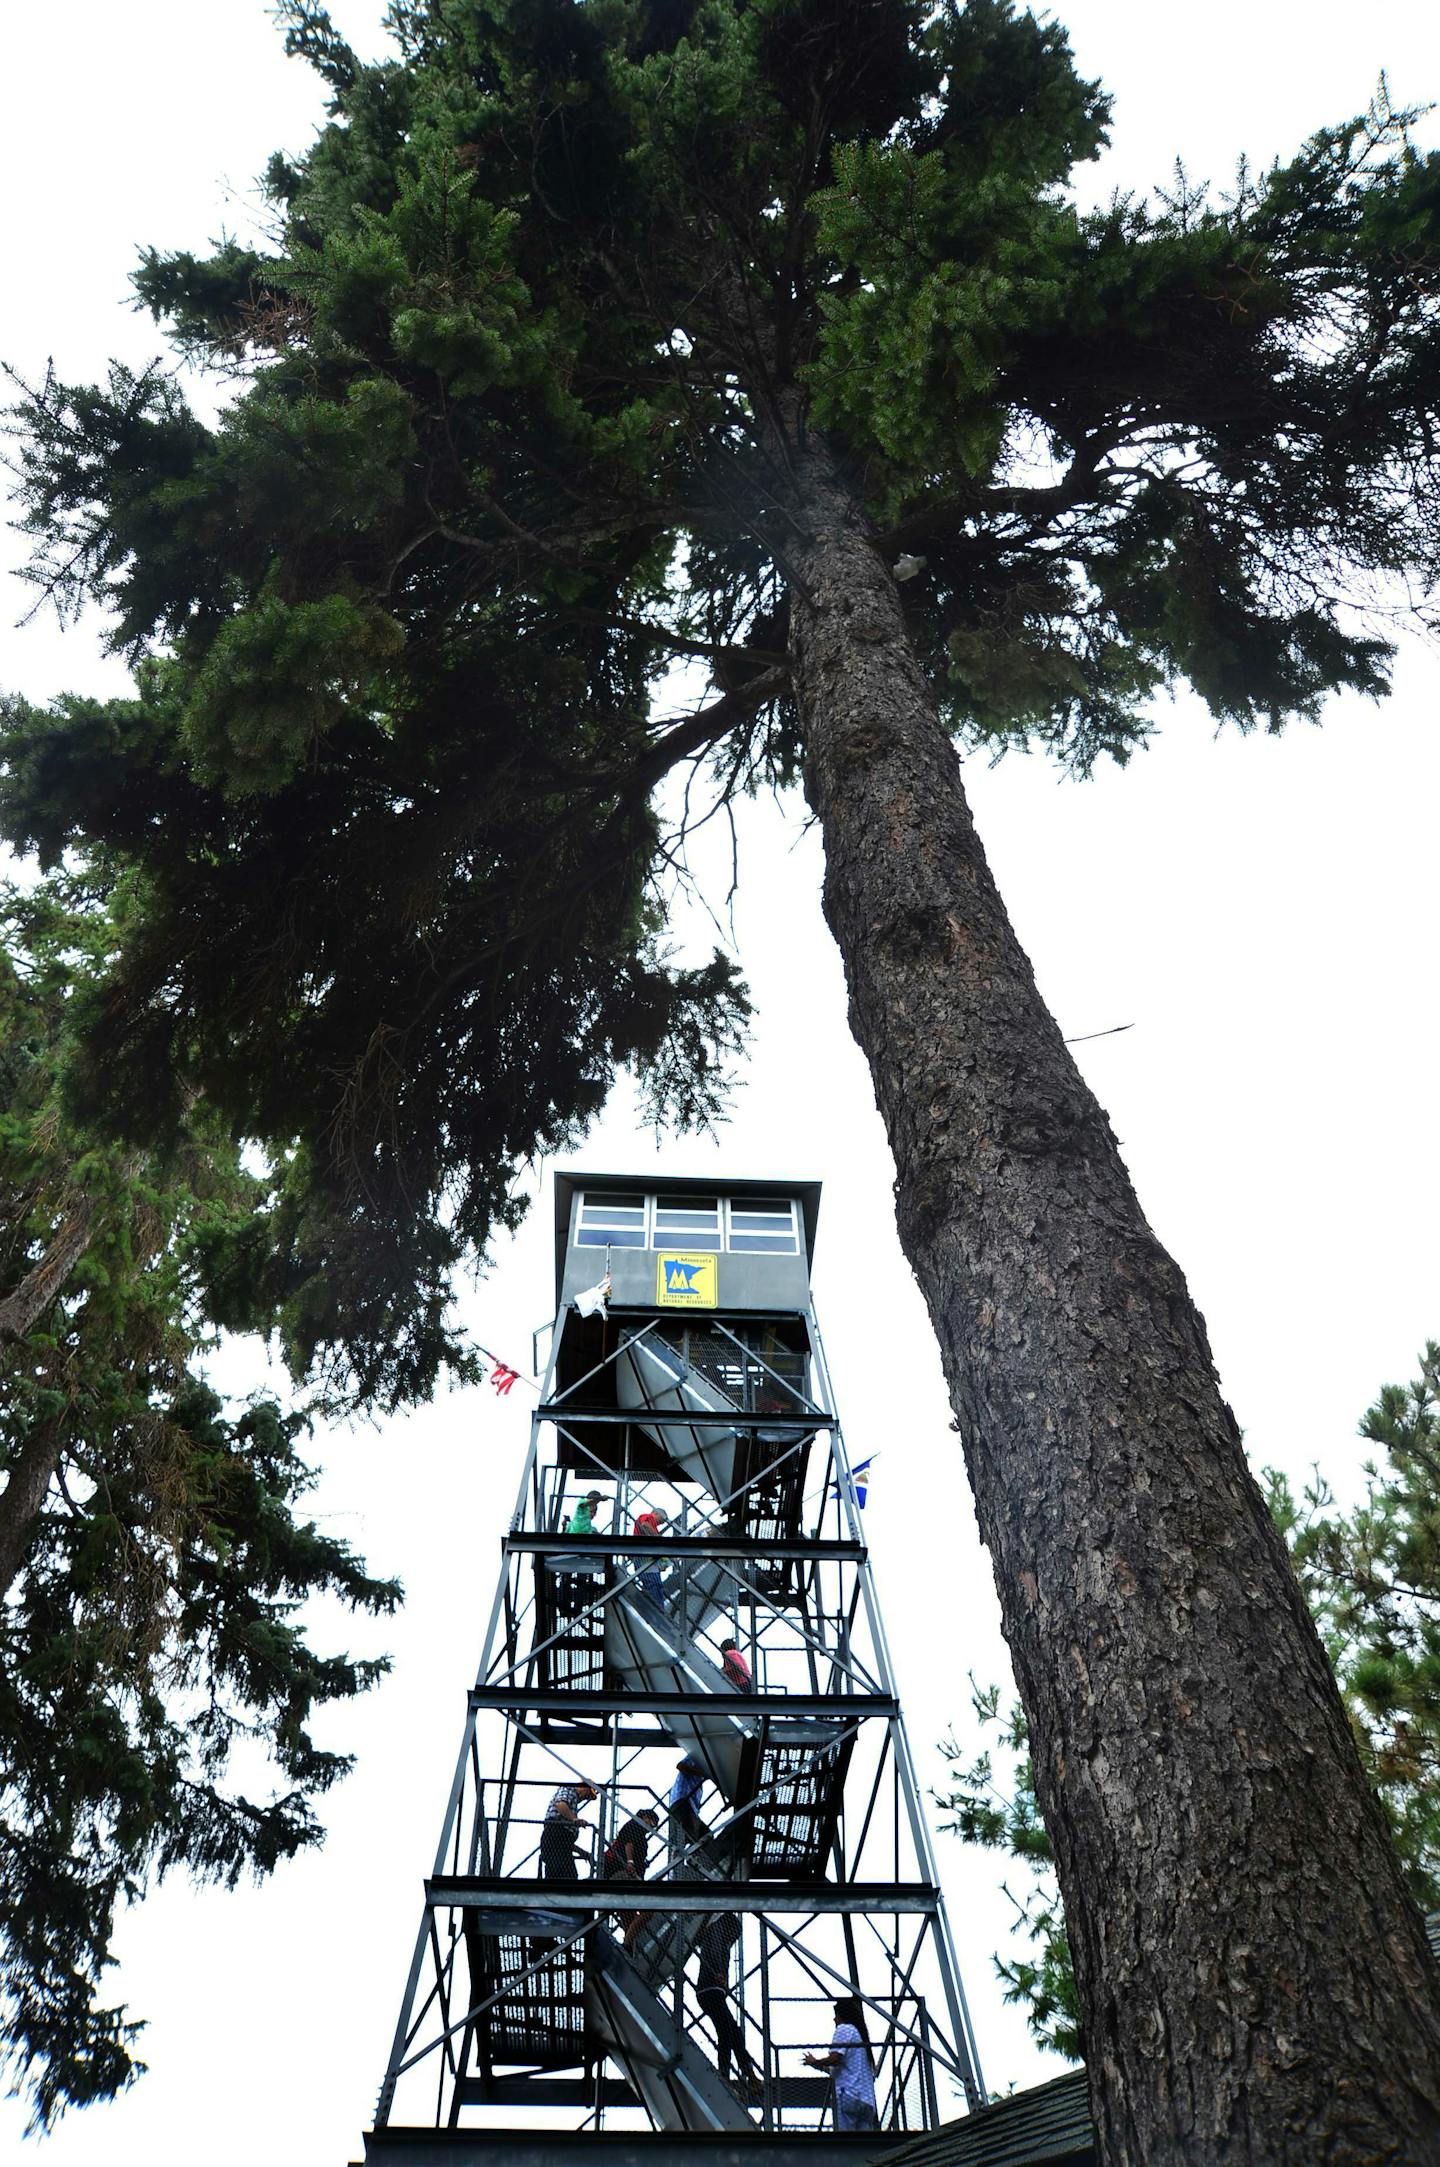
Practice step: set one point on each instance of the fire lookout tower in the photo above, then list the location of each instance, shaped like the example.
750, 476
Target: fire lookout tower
684, 1818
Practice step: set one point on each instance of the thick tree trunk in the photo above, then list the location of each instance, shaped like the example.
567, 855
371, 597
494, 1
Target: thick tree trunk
1256, 1983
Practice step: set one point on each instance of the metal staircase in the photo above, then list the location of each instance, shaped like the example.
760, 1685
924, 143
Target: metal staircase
673, 2078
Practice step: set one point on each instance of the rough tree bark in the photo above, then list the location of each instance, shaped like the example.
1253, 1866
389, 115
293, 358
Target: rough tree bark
1255, 1981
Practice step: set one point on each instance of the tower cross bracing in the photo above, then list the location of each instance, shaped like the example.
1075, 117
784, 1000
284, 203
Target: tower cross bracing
706, 1623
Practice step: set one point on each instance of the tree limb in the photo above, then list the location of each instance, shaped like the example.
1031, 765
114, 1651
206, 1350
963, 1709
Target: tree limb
23, 1496
38, 1289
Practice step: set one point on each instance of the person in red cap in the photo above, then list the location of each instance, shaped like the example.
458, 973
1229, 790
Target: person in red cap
649, 1525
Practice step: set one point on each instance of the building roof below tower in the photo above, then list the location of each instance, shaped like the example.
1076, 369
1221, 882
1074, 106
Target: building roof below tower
1048, 2126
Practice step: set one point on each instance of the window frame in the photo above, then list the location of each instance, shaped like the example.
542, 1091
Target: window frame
600, 1199
696, 1238
653, 1202
734, 1203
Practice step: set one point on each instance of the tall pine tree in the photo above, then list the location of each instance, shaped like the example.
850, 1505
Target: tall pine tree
593, 335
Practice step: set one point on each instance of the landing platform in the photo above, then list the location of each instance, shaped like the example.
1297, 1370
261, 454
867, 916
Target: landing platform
624, 2148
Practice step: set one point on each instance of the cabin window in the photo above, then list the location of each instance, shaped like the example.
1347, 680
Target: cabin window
687, 1222
763, 1224
758, 1226
610, 1221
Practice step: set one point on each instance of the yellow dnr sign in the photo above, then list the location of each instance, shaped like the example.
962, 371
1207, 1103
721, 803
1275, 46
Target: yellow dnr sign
686, 1282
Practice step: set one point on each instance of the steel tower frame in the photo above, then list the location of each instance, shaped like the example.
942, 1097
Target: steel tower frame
522, 1993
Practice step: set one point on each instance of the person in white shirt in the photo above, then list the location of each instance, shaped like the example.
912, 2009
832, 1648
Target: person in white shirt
854, 2072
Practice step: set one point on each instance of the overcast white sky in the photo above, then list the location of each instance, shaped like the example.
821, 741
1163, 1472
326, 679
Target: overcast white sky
1260, 910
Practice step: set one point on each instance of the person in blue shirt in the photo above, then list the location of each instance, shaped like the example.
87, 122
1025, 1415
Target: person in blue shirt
683, 1804
848, 2060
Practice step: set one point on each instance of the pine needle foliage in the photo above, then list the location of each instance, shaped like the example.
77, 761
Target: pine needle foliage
502, 447
158, 1691
1371, 1576
996, 1808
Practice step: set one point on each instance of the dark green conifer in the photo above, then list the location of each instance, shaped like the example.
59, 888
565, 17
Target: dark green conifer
1371, 1575
151, 1557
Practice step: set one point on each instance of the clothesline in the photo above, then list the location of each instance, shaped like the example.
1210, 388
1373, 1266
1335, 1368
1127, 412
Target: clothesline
503, 1375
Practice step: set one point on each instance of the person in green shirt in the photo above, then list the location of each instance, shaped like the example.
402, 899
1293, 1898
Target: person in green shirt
582, 1521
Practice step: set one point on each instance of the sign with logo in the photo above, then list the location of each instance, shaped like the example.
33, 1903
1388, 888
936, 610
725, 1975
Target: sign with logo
686, 1282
